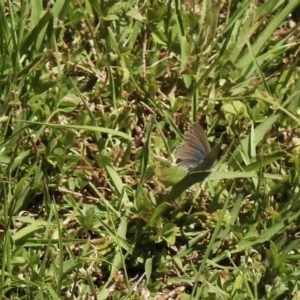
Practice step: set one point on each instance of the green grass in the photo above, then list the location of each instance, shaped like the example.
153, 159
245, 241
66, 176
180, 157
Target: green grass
95, 98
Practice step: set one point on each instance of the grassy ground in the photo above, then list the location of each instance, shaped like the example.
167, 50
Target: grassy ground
95, 97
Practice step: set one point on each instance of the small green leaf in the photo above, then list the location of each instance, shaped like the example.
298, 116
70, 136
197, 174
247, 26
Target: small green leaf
135, 14
148, 268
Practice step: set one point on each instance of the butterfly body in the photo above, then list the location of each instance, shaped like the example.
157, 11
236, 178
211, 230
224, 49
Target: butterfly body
193, 149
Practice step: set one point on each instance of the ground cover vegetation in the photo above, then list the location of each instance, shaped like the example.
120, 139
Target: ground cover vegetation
95, 98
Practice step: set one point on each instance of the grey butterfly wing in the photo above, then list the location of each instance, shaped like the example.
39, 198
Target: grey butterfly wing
193, 149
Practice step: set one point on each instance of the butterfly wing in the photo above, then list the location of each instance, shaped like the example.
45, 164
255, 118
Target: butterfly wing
193, 149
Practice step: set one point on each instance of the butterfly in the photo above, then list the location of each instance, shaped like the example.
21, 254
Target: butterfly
194, 148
